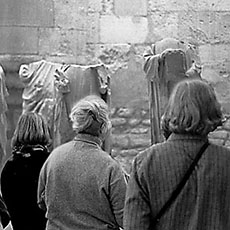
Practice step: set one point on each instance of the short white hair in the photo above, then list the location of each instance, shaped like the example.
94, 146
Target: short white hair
90, 115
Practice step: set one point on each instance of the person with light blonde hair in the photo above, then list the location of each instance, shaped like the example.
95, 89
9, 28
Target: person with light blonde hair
80, 185
91, 116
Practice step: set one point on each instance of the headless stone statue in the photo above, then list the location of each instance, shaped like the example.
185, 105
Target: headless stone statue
51, 89
168, 62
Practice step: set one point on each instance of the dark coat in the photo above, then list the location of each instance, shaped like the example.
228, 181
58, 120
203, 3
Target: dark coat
19, 181
204, 202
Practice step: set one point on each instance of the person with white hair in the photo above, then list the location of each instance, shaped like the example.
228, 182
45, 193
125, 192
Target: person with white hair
80, 185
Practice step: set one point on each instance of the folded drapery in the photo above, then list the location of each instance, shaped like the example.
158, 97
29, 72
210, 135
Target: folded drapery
52, 89
166, 63
3, 109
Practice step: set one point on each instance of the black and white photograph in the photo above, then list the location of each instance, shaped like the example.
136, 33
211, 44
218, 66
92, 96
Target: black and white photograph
114, 114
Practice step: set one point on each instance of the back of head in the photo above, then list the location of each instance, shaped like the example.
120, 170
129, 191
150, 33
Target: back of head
90, 115
192, 108
31, 129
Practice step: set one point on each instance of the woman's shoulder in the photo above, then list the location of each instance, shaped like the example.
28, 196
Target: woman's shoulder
65, 146
154, 151
25, 155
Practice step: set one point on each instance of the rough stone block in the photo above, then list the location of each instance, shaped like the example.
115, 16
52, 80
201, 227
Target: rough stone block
120, 141
93, 28
227, 125
213, 5
222, 92
67, 59
137, 140
162, 25
170, 5
18, 40
221, 85
58, 42
226, 105
227, 144
123, 29
71, 14
204, 26
118, 121
127, 7
139, 131
187, 27
215, 53
94, 5
113, 55
178, 5
146, 122
214, 26
27, 13
125, 112
129, 87
107, 7
223, 26
210, 73
134, 122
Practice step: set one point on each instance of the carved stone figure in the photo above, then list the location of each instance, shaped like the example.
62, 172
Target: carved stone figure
52, 89
166, 63
3, 120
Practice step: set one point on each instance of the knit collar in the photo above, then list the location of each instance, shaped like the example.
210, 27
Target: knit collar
89, 139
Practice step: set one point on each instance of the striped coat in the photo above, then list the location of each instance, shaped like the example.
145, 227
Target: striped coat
204, 202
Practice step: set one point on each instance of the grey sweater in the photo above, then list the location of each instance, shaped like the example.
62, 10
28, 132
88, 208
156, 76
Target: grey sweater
82, 187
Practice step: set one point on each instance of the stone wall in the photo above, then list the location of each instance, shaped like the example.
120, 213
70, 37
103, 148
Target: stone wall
116, 32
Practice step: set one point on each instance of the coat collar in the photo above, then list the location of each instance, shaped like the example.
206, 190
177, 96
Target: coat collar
89, 139
188, 137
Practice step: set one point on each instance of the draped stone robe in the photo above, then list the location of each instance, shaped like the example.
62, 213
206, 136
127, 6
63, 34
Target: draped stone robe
3, 109
52, 94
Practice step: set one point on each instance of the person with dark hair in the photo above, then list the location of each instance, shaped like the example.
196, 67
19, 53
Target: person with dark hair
19, 177
80, 185
184, 182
